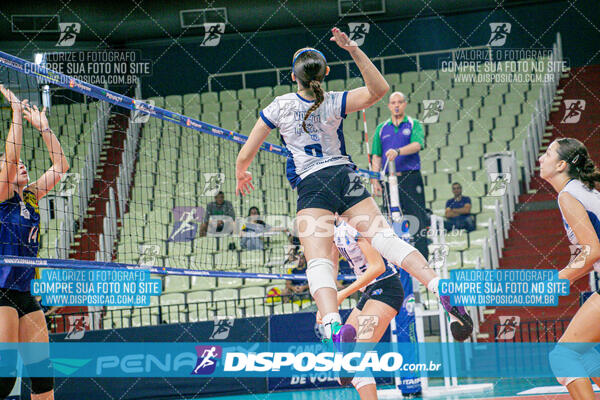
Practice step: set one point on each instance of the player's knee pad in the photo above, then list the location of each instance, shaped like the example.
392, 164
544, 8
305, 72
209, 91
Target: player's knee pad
320, 274
42, 368
565, 381
390, 246
566, 364
591, 362
6, 386
360, 381
8, 371
42, 385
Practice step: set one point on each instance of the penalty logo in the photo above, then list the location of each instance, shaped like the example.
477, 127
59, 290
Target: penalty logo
573, 110
208, 357
508, 327
213, 183
68, 33
432, 110
357, 31
500, 31
77, 326
499, 183
222, 328
212, 34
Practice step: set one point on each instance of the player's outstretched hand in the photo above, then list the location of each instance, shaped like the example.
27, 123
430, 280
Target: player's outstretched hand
244, 183
13, 100
342, 40
36, 117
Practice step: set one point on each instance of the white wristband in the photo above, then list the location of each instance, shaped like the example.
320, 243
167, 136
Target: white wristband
433, 284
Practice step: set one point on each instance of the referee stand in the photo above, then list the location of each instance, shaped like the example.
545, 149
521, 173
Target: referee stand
450, 385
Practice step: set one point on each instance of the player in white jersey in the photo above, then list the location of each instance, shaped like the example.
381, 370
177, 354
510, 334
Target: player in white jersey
382, 294
567, 166
310, 125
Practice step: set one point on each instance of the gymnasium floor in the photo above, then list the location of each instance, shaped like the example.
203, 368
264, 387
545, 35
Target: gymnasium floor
505, 389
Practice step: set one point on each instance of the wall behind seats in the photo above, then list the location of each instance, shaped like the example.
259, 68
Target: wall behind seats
184, 67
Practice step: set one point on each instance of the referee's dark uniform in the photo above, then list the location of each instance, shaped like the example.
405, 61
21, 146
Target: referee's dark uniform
410, 182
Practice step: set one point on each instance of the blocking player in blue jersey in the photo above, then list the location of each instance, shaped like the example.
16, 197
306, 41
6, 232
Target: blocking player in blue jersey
310, 123
21, 318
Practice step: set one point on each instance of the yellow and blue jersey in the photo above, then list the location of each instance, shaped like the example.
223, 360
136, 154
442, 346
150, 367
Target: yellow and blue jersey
19, 236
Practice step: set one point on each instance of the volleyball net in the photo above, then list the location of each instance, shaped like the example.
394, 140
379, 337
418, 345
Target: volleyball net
164, 179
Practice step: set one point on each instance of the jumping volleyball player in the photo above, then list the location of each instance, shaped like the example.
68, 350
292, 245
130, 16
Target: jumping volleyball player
21, 318
567, 166
310, 124
382, 292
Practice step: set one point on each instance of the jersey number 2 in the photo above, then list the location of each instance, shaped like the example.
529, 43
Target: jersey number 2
314, 150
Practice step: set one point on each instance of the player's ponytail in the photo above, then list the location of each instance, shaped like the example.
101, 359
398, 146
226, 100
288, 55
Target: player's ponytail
315, 86
581, 166
309, 67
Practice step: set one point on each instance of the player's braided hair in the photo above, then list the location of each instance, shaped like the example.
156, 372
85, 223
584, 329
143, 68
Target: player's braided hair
581, 166
309, 69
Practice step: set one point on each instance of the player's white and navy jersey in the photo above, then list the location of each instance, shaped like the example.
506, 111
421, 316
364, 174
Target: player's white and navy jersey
590, 199
346, 238
323, 146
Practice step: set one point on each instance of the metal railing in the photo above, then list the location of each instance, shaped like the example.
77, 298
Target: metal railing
381, 60
63, 205
537, 126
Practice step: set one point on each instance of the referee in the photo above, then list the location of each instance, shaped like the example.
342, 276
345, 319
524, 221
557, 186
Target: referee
401, 138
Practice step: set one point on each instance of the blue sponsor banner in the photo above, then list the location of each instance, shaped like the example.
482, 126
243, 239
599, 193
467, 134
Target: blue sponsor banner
507, 287
217, 332
289, 359
68, 287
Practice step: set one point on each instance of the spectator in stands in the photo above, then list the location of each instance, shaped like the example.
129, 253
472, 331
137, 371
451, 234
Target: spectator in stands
219, 207
296, 288
252, 230
458, 211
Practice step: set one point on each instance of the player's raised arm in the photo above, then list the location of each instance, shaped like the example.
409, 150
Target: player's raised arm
14, 142
375, 268
246, 155
375, 84
60, 165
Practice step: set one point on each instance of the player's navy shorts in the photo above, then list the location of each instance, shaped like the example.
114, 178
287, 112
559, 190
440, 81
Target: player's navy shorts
23, 302
335, 188
388, 291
